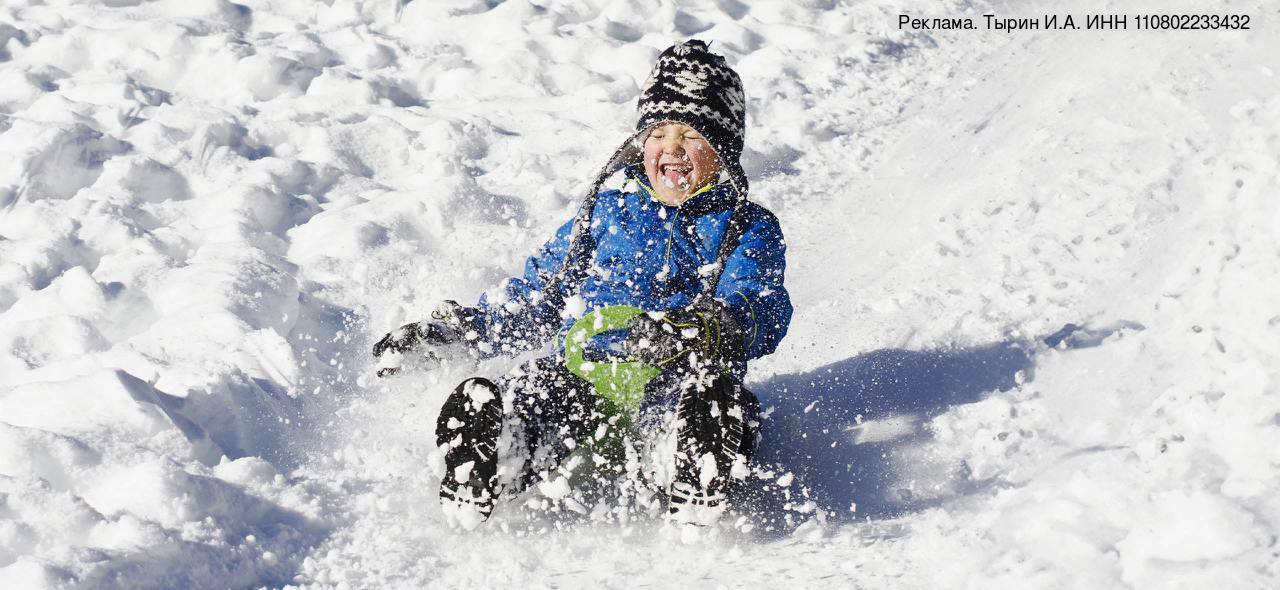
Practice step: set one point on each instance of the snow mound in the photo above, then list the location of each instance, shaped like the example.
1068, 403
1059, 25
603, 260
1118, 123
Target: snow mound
208, 210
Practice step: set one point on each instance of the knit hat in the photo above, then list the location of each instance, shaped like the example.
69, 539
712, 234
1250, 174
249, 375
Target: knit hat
691, 85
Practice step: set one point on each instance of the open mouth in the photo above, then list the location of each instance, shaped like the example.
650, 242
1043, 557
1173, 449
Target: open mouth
676, 174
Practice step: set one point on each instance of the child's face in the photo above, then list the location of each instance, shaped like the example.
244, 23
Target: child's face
678, 161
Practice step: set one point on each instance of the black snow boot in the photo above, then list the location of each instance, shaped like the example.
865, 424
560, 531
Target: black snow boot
715, 428
468, 429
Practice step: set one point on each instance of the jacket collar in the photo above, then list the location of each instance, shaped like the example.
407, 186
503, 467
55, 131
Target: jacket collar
719, 197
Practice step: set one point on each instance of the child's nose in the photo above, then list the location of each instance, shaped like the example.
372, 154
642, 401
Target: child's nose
672, 145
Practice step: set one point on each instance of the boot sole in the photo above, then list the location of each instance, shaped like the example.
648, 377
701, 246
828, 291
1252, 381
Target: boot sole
469, 425
701, 433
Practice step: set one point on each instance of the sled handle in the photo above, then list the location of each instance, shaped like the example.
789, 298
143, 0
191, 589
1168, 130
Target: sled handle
620, 383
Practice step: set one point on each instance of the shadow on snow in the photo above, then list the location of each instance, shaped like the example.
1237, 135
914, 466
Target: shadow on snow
839, 428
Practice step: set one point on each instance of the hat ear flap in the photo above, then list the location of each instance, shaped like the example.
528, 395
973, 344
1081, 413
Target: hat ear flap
638, 139
633, 151
630, 152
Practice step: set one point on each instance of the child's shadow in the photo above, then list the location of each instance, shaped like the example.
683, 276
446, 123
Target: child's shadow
839, 427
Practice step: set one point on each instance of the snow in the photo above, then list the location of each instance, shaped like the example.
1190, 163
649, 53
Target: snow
555, 488
463, 471
210, 210
480, 394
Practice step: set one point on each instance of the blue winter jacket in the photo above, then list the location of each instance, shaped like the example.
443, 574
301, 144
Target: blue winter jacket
648, 255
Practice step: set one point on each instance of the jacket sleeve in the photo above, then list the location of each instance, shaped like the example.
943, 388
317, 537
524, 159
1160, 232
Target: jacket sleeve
751, 285
517, 315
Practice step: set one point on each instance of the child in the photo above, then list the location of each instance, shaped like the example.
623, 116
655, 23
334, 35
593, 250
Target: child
684, 245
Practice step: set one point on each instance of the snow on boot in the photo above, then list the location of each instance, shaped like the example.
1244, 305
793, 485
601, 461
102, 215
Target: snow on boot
709, 433
468, 428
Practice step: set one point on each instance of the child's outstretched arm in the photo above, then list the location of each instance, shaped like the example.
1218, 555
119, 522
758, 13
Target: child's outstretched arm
518, 314
514, 316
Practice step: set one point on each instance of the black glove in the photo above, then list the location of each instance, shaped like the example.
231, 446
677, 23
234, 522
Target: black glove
703, 335
409, 336
447, 328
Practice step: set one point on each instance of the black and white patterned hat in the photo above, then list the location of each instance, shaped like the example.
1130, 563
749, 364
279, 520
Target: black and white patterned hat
691, 85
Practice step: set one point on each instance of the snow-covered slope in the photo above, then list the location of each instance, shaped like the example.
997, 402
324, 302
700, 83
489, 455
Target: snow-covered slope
208, 209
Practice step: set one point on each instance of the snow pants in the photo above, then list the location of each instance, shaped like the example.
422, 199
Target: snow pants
557, 410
